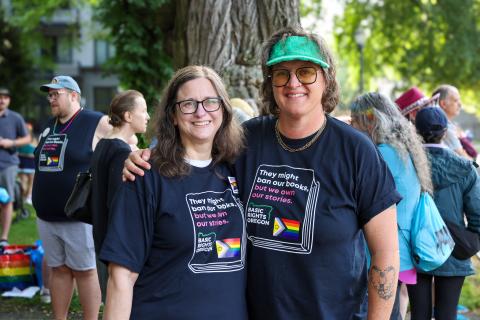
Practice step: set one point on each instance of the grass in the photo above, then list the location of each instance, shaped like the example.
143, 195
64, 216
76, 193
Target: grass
24, 231
471, 289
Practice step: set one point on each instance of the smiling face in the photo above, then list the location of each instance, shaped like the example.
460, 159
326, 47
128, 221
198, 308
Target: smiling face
201, 126
297, 100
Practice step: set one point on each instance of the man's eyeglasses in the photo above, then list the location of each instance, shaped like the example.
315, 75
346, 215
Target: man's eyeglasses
54, 95
190, 106
305, 75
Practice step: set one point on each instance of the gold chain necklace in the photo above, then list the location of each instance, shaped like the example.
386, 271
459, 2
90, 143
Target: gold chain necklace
305, 146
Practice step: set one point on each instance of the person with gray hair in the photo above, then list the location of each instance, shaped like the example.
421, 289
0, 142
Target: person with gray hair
401, 148
450, 102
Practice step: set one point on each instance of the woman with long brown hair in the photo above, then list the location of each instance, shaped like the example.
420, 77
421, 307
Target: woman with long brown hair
175, 246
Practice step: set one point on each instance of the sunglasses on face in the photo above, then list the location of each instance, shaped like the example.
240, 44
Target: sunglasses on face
305, 75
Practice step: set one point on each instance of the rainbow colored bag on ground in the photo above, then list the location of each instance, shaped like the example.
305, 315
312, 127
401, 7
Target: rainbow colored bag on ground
16, 267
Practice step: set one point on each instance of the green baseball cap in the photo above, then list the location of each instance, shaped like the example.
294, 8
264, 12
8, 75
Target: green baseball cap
296, 48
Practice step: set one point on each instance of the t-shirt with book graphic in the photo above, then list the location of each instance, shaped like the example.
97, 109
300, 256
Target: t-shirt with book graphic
281, 208
186, 238
304, 213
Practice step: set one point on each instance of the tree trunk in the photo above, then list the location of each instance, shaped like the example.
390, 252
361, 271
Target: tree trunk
227, 35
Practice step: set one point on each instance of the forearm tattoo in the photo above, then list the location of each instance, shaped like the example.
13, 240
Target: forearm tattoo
383, 281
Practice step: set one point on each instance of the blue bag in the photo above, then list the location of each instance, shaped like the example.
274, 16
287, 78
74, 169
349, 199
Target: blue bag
4, 197
430, 238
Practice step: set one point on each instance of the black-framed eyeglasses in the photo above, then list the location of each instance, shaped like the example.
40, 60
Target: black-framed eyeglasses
190, 106
305, 75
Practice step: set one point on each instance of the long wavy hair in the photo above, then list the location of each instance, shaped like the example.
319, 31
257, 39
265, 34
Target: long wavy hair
330, 97
169, 154
377, 115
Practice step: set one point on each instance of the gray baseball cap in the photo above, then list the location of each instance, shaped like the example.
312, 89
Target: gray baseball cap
60, 82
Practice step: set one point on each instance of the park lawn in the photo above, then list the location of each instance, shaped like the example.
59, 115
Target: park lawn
24, 231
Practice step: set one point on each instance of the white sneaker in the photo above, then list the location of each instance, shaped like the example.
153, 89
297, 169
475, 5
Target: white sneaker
45, 295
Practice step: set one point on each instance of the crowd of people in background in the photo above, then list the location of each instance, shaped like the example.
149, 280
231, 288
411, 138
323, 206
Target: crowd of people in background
294, 214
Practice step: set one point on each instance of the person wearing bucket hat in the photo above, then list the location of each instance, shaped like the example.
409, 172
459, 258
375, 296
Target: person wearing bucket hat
64, 149
310, 184
413, 100
456, 188
13, 134
450, 102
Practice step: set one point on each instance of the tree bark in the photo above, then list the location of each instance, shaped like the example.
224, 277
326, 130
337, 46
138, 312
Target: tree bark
227, 35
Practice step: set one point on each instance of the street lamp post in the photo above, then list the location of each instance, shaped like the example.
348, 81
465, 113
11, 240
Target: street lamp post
360, 38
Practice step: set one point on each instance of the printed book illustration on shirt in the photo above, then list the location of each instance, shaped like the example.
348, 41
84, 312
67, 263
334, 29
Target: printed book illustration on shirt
281, 208
52, 153
219, 232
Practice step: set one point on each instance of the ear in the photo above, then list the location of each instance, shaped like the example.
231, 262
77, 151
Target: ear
127, 117
441, 103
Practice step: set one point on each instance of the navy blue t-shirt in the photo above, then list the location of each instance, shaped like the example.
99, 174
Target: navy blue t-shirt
62, 152
186, 239
304, 212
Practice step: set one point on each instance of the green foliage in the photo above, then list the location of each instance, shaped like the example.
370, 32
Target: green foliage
15, 64
310, 7
141, 59
423, 43
30, 15
470, 296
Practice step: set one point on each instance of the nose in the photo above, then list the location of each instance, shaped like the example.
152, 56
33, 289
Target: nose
200, 110
293, 81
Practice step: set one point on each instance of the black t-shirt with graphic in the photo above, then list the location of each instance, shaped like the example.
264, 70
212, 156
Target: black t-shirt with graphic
186, 239
304, 213
63, 151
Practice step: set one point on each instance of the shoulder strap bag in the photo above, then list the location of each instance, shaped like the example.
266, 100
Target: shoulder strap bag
78, 205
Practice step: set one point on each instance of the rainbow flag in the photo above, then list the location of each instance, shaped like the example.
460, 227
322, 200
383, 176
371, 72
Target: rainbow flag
286, 228
228, 248
52, 161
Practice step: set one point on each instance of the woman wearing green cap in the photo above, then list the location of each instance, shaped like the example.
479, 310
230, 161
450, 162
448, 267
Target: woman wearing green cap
312, 186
